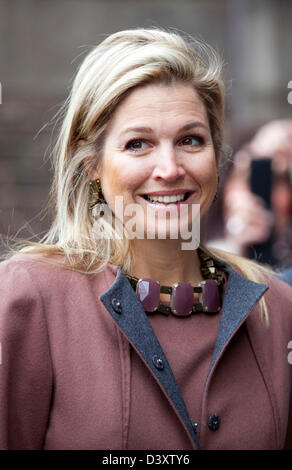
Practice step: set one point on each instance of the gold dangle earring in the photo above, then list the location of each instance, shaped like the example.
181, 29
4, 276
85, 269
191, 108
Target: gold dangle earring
97, 196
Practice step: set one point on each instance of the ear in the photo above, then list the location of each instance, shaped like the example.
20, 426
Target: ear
87, 162
92, 172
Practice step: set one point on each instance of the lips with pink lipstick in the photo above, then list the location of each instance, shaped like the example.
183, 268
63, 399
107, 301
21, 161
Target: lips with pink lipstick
175, 196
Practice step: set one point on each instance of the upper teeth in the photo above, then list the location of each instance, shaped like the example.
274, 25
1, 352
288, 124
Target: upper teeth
167, 199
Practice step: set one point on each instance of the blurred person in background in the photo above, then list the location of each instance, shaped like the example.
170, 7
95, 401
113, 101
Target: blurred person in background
255, 227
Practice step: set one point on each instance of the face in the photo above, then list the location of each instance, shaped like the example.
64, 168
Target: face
158, 153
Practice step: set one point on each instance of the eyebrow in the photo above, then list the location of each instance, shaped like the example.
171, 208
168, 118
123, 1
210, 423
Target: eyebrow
149, 130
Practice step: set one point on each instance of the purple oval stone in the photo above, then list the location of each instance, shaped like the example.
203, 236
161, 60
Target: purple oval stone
182, 299
148, 292
210, 296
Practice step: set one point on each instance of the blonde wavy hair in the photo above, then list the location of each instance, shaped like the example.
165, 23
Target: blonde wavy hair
121, 62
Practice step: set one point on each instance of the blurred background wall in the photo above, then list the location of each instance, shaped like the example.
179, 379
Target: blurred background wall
42, 42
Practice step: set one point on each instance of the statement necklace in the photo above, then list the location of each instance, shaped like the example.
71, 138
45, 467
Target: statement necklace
183, 302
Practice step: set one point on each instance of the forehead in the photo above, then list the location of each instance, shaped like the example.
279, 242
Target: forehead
155, 104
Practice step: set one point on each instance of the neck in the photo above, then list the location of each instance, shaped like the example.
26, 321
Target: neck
165, 261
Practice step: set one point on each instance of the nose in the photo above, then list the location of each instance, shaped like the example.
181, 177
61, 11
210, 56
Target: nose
168, 165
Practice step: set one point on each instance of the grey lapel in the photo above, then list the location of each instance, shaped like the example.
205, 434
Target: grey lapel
240, 296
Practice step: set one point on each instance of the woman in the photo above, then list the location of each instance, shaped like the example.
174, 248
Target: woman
94, 359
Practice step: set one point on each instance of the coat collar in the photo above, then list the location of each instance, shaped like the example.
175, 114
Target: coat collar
122, 303
240, 296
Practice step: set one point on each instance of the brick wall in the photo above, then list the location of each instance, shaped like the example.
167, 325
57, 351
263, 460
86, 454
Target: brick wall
42, 43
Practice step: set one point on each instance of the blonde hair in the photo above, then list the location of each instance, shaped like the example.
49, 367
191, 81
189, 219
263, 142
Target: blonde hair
122, 62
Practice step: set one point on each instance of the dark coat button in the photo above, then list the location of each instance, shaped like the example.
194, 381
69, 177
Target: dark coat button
214, 422
116, 305
195, 426
158, 362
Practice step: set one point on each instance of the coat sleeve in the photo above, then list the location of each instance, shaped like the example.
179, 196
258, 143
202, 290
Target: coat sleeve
25, 364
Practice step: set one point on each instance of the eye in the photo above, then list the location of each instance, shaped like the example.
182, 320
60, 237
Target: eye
192, 141
136, 145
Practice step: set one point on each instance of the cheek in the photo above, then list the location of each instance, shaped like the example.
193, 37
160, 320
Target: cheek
207, 178
109, 180
120, 179
207, 174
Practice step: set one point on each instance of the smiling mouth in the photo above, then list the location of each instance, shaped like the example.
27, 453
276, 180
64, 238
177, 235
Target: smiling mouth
172, 199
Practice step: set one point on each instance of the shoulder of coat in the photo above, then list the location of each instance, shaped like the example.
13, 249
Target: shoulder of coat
52, 270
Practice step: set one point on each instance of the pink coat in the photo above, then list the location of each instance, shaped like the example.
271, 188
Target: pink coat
82, 368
